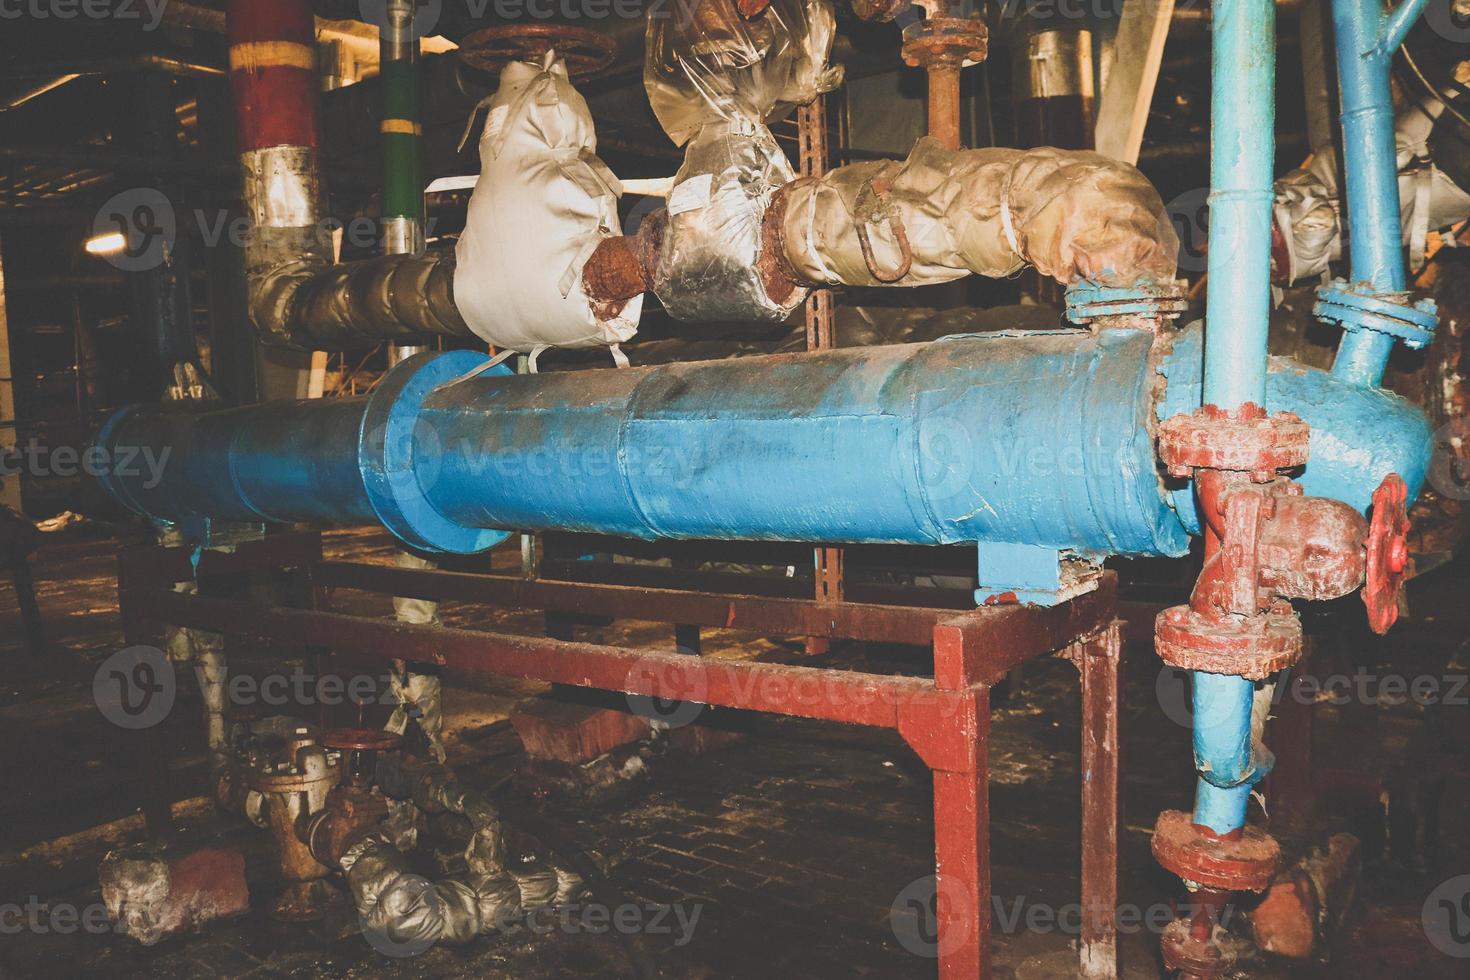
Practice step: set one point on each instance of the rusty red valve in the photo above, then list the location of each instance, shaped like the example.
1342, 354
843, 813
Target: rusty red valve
362, 746
1388, 565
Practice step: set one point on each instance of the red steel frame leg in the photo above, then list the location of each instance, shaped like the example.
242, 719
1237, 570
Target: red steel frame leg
1100, 661
962, 860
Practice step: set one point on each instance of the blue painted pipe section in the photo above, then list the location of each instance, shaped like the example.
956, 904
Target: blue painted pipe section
1224, 754
1242, 162
281, 462
1366, 41
1037, 438
1358, 435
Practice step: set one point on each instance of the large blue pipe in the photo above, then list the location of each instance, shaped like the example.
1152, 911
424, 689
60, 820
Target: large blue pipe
1035, 438
1366, 42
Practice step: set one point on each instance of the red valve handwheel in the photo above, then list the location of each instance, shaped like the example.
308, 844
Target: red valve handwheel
1389, 565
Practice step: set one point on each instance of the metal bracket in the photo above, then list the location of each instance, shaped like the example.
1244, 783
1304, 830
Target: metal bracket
1030, 574
1088, 301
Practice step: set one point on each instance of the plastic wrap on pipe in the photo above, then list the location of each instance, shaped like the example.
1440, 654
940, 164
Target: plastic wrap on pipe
943, 214
705, 63
712, 258
1308, 222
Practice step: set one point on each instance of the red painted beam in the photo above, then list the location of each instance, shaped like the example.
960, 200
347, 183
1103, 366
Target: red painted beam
273, 72
806, 692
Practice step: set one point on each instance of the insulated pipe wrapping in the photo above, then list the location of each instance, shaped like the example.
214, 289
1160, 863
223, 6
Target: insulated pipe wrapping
298, 297
943, 214
498, 884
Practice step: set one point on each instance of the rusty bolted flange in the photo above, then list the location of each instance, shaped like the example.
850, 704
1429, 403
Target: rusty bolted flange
1247, 441
1387, 547
945, 41
1252, 647
1191, 957
1246, 863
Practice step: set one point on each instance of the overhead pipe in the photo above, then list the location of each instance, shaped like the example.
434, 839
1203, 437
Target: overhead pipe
938, 216
1373, 307
298, 297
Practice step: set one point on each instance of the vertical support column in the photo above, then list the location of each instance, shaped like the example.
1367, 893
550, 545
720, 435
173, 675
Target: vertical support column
1290, 787
158, 818
821, 334
962, 863
1100, 661
955, 744
9, 424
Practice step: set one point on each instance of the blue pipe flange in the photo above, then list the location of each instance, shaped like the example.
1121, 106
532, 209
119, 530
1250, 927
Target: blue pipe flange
1358, 307
1088, 301
396, 461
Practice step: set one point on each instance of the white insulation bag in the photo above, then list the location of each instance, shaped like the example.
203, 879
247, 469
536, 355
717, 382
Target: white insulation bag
542, 204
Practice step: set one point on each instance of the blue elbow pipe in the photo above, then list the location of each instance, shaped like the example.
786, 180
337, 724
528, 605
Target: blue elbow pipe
1366, 42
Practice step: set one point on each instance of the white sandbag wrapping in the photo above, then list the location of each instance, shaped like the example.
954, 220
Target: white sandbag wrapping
542, 203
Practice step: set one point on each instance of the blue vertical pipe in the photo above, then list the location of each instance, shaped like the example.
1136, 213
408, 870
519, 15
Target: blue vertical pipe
1242, 162
1238, 304
1366, 41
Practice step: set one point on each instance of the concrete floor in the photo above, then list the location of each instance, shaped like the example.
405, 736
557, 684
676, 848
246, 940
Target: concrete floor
785, 853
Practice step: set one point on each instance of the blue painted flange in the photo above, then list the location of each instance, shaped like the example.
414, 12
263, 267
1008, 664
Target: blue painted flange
1358, 307
1088, 301
388, 451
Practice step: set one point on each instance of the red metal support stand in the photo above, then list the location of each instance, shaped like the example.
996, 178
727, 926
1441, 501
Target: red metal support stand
946, 719
158, 818
1100, 660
